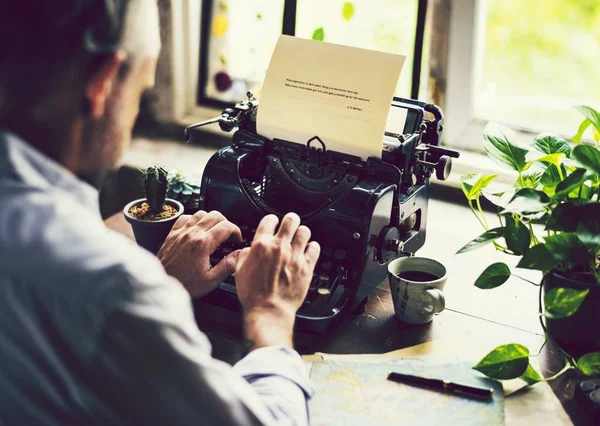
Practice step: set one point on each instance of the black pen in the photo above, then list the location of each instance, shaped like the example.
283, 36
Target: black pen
442, 385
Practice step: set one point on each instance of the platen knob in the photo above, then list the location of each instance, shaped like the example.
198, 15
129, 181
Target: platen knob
443, 167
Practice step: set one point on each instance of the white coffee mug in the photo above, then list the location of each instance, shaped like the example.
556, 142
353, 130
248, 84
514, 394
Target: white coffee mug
416, 284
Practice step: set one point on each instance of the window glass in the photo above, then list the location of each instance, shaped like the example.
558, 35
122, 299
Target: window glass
538, 59
383, 25
243, 35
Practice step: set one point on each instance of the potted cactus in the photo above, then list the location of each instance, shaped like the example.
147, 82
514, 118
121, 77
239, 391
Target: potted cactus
153, 217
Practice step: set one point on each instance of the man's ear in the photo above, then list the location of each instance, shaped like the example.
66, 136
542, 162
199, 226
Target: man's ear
100, 83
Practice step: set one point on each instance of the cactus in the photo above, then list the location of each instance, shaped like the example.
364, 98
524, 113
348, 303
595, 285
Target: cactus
155, 187
184, 190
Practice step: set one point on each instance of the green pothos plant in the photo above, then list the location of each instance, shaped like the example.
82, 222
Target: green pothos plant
550, 218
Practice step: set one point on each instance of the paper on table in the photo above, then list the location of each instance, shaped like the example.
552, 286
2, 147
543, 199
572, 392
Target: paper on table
459, 349
341, 94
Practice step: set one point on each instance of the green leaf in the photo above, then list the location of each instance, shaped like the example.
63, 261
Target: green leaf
500, 149
531, 376
526, 202
589, 233
467, 182
571, 182
517, 236
494, 276
505, 362
500, 200
588, 156
531, 180
582, 128
551, 144
563, 302
485, 238
319, 34
589, 364
472, 184
591, 114
566, 216
348, 11
555, 159
538, 258
566, 247
551, 177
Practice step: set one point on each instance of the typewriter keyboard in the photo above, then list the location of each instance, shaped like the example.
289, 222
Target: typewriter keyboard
328, 278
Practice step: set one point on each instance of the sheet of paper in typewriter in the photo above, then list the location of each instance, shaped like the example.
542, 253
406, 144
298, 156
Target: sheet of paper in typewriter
341, 94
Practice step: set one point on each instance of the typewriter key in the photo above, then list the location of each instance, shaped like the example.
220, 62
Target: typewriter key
326, 265
339, 254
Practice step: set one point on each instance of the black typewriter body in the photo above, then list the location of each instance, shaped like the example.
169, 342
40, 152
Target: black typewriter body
363, 213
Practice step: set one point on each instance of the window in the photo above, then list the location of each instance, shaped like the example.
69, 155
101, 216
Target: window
520, 63
240, 35
538, 59
524, 64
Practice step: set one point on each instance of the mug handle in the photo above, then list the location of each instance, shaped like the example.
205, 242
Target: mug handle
437, 302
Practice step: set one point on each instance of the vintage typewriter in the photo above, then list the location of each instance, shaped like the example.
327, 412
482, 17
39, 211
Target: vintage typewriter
362, 213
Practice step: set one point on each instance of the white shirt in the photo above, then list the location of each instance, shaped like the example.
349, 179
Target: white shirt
93, 331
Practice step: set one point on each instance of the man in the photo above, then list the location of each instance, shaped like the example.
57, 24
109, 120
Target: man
94, 330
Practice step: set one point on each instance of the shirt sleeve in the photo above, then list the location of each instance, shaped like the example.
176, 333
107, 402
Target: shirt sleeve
153, 366
280, 377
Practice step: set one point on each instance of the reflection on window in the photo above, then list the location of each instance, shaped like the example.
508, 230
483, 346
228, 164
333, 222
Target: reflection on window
243, 34
539, 59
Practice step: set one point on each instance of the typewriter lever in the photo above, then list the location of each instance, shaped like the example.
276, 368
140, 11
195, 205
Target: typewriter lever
242, 115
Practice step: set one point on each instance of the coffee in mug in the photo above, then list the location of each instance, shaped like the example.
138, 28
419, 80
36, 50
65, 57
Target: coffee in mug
417, 284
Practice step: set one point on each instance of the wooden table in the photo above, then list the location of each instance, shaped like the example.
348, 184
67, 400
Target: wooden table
470, 313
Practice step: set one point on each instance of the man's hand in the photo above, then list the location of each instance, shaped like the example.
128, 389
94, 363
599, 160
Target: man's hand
272, 279
185, 254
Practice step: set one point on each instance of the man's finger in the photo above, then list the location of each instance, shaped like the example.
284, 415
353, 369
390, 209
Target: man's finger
267, 226
313, 250
241, 256
223, 269
196, 217
301, 239
289, 226
181, 221
211, 219
224, 231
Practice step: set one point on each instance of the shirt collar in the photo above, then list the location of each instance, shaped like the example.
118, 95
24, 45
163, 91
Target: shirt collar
20, 161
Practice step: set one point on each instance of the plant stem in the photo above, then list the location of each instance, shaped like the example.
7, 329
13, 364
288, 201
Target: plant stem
526, 280
541, 347
521, 182
481, 213
533, 236
541, 312
554, 376
476, 216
